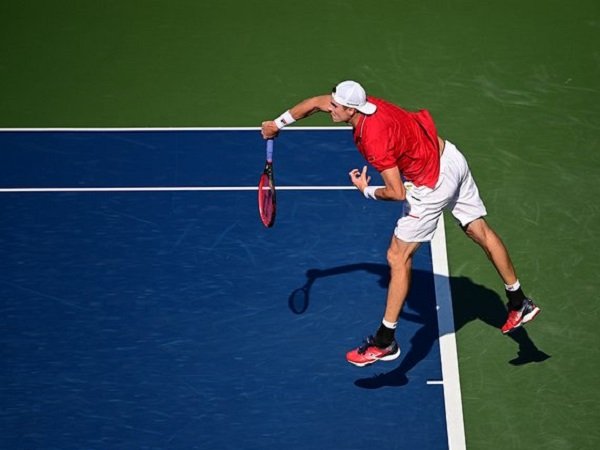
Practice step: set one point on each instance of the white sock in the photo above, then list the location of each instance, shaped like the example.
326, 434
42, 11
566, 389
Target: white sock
391, 325
513, 287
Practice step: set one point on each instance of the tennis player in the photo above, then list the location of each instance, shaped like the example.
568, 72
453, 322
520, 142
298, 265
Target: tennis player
425, 172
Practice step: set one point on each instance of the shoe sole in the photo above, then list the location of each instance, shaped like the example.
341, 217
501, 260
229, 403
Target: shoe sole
384, 358
526, 318
529, 317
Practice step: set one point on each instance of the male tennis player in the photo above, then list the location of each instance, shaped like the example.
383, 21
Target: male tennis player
429, 175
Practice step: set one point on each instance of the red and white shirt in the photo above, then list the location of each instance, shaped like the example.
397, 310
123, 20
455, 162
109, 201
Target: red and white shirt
393, 136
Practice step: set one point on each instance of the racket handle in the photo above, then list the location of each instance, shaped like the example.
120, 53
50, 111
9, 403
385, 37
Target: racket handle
270, 150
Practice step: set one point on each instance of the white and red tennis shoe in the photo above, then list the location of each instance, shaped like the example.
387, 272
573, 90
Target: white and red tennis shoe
368, 353
518, 317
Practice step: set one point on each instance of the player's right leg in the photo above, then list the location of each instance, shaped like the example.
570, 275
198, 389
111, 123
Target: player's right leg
520, 308
469, 210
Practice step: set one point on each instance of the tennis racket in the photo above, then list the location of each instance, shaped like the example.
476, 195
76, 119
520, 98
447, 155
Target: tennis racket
266, 190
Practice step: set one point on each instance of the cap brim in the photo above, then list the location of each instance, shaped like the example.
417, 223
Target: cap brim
368, 108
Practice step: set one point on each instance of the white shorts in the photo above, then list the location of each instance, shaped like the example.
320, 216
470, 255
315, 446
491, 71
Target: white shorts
455, 190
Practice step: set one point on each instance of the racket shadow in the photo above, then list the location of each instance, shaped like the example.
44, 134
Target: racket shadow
471, 301
299, 299
421, 342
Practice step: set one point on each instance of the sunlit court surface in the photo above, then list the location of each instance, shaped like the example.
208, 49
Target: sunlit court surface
145, 305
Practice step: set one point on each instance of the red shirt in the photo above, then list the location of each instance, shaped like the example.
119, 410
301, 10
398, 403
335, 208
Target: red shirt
393, 136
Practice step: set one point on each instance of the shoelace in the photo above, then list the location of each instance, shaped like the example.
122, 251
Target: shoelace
368, 342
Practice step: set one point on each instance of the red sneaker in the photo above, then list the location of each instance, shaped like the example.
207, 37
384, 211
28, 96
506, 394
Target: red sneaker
368, 353
521, 316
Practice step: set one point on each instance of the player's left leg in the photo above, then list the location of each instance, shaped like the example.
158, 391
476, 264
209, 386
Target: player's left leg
383, 346
399, 256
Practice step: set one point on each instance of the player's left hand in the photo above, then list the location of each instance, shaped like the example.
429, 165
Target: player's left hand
360, 179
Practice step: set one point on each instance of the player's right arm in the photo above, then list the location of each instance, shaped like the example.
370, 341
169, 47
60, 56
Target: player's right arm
392, 191
305, 108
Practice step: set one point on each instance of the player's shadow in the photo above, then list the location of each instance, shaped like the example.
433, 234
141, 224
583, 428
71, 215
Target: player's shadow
470, 301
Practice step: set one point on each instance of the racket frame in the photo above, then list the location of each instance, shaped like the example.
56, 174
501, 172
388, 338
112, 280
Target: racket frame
267, 177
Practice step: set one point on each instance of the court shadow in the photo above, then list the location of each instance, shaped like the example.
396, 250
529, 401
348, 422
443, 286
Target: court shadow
470, 301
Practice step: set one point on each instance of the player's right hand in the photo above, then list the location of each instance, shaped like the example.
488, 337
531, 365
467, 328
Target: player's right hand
269, 130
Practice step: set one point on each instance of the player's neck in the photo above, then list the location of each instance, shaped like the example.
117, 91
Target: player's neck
355, 119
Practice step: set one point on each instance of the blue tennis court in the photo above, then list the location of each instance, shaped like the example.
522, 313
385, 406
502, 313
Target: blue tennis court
144, 305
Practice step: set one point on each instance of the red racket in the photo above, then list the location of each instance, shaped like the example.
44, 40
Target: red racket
266, 190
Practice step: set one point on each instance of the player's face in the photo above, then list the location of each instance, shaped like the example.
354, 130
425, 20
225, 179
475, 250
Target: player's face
340, 113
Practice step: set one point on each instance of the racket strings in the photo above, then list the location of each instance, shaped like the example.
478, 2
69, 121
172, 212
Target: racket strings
266, 200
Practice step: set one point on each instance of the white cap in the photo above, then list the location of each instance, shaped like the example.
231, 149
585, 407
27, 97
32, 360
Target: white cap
352, 94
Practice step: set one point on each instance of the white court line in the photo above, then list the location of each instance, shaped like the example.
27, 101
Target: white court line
452, 396
171, 189
126, 129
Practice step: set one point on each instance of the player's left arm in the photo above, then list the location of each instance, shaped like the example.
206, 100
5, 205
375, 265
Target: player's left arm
392, 191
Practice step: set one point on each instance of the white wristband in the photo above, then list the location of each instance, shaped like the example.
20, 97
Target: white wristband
369, 192
284, 120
